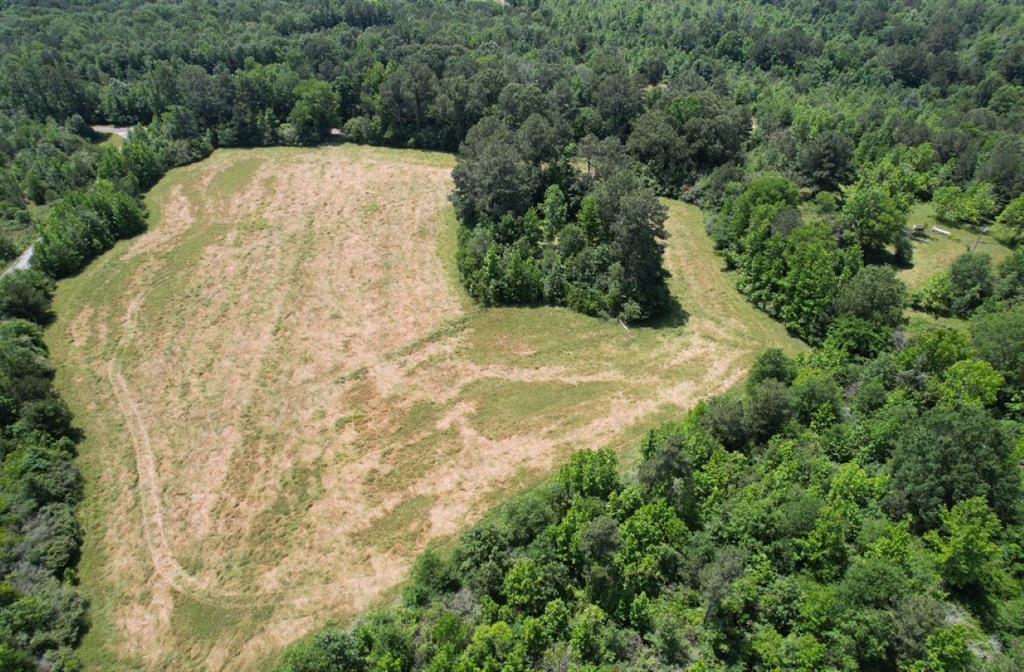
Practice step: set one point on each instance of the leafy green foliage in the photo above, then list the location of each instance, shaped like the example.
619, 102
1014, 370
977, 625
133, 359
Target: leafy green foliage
936, 297
970, 282
931, 469
972, 286
316, 106
969, 382
872, 216
700, 103
998, 338
84, 224
26, 295
874, 295
971, 206
772, 364
785, 551
600, 255
1009, 227
41, 616
790, 269
968, 544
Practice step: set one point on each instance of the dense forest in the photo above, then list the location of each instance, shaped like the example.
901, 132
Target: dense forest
857, 509
558, 110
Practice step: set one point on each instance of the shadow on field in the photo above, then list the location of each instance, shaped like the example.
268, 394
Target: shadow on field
674, 316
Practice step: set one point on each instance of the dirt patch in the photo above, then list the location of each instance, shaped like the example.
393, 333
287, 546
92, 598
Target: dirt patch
291, 397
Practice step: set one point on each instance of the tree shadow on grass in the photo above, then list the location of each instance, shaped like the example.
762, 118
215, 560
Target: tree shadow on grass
886, 258
672, 317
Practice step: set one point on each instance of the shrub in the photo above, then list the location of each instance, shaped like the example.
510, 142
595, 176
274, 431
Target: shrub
936, 297
85, 224
904, 250
1009, 226
998, 338
330, 651
971, 282
769, 408
856, 337
815, 393
872, 216
590, 473
934, 350
52, 537
874, 295
931, 470
972, 206
969, 382
26, 295
724, 418
772, 364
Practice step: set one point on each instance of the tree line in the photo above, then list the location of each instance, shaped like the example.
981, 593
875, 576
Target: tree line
42, 617
868, 106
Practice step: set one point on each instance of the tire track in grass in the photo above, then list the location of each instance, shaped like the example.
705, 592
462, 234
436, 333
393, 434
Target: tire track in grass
164, 562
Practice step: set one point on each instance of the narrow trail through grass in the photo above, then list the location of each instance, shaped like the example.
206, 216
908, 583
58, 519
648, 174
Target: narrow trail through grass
286, 395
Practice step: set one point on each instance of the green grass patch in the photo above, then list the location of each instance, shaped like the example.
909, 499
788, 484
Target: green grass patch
212, 622
507, 408
238, 173
399, 527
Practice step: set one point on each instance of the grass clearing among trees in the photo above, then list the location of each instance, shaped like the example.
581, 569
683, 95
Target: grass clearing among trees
286, 394
935, 252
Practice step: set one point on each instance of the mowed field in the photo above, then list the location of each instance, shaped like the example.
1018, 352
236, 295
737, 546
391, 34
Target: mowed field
286, 395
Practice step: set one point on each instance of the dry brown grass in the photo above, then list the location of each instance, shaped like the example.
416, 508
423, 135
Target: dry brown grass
286, 396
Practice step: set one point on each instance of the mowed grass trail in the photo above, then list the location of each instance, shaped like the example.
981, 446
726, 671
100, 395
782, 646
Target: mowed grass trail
286, 395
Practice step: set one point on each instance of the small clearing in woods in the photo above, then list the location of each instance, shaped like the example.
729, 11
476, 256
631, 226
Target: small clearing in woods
286, 395
935, 252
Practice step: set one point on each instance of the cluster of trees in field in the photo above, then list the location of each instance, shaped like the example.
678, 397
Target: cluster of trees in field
867, 105
802, 264
535, 228
836, 512
42, 617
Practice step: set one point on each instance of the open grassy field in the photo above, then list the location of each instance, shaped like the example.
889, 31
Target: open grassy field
286, 395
